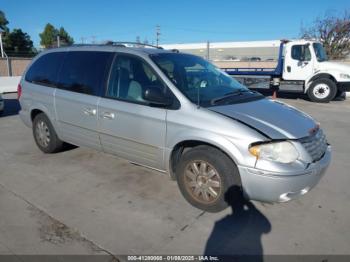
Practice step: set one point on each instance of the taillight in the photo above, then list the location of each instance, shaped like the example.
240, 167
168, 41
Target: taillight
19, 91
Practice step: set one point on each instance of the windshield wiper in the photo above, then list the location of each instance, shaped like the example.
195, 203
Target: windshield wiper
228, 95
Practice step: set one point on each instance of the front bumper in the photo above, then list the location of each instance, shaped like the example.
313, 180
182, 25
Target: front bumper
268, 186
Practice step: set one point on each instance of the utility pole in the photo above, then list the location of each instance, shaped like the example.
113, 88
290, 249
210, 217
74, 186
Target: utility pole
157, 34
1, 46
58, 41
208, 50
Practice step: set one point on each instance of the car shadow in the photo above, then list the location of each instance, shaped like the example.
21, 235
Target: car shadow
281, 94
295, 96
11, 107
67, 147
239, 233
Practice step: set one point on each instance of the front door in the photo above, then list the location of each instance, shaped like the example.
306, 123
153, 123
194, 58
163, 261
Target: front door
298, 63
129, 126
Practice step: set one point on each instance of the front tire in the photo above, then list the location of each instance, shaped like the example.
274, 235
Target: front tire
322, 90
204, 176
45, 136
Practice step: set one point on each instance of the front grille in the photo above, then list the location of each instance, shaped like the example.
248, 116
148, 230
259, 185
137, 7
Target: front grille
315, 145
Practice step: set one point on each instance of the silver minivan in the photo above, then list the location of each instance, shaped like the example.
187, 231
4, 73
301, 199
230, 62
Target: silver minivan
176, 113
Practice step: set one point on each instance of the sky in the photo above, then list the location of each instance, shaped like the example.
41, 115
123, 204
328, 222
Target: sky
180, 21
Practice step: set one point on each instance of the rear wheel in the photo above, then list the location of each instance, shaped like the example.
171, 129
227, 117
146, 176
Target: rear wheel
204, 176
322, 90
45, 135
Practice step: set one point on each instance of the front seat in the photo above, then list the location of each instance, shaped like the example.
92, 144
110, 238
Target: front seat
135, 91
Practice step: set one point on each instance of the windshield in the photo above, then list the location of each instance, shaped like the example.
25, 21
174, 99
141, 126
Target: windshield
199, 80
320, 52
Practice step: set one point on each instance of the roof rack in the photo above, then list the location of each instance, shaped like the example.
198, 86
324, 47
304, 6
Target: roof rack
134, 44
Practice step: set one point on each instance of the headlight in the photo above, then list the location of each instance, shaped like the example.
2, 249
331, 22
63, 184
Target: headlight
346, 76
283, 152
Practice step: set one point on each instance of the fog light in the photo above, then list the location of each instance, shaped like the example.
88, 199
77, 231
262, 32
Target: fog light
304, 191
285, 197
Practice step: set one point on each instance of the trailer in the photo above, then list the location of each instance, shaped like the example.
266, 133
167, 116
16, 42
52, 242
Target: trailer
302, 67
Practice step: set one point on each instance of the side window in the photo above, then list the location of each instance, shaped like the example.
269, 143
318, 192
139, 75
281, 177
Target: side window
130, 77
44, 71
84, 71
301, 53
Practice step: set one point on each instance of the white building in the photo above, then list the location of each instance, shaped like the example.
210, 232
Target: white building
231, 51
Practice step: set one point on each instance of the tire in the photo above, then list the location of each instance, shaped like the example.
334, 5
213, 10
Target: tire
322, 90
195, 187
45, 135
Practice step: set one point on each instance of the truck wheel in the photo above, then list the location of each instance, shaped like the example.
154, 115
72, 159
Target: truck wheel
45, 136
204, 175
322, 90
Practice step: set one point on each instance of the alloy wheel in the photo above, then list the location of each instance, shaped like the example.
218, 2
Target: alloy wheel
42, 133
202, 181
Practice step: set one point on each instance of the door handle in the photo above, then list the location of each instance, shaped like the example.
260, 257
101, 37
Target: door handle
90, 111
289, 68
108, 115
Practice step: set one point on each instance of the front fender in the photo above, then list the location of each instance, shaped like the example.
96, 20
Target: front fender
331, 74
219, 141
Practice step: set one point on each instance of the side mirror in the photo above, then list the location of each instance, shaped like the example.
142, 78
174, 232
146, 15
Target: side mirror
154, 96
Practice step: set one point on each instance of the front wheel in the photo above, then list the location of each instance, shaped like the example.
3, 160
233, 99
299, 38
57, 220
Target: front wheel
204, 176
322, 90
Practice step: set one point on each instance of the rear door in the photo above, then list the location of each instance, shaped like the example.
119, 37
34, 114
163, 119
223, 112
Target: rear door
129, 127
80, 83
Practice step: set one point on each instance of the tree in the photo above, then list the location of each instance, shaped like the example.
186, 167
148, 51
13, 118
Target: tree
65, 38
48, 36
18, 43
333, 32
3, 22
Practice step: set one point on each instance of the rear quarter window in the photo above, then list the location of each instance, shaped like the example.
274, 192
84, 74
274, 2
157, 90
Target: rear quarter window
85, 71
44, 70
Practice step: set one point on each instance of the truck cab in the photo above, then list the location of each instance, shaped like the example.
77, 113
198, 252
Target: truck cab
306, 63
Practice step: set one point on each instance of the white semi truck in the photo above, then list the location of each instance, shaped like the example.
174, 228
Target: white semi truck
302, 67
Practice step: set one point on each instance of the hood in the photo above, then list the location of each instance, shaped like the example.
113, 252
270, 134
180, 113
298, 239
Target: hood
275, 119
326, 66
